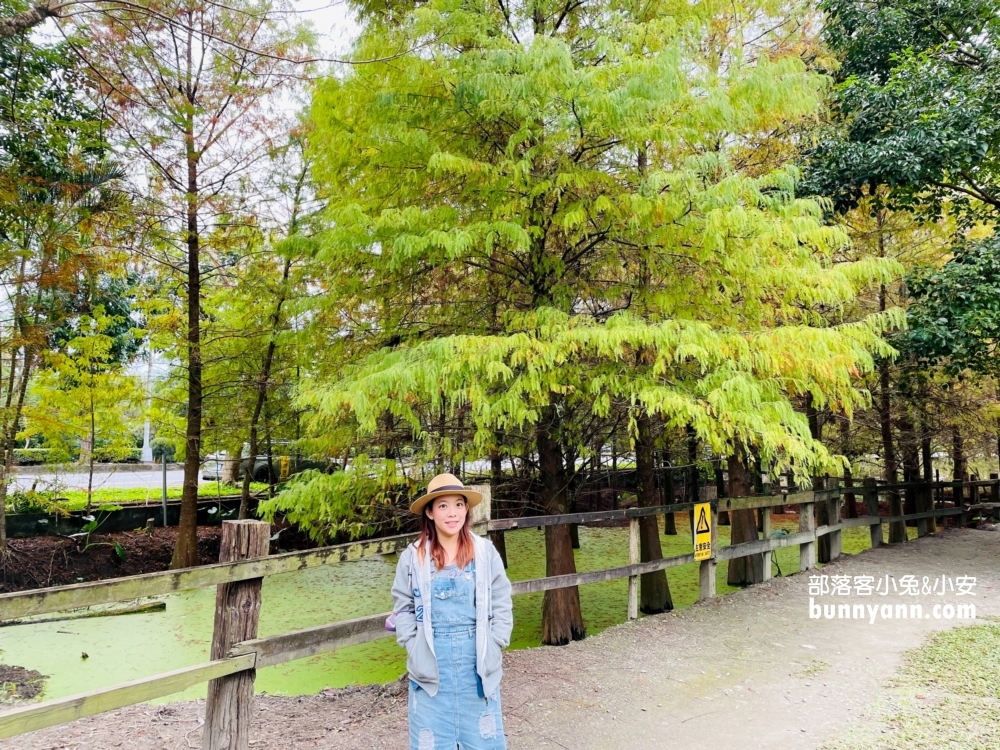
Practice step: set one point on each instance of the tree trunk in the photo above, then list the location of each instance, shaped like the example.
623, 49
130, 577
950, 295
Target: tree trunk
11, 417
562, 620
897, 531
720, 492
186, 549
653, 587
9, 437
691, 480
957, 455
669, 521
574, 531
822, 512
911, 462
850, 499
743, 570
263, 380
18, 23
497, 537
231, 466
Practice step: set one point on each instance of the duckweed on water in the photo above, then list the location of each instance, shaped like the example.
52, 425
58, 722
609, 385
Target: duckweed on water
122, 649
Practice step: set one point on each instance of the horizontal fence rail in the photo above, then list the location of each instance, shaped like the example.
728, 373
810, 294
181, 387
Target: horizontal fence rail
43, 601
257, 653
62, 710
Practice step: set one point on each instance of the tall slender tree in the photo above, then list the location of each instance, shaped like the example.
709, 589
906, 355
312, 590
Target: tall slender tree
192, 90
56, 189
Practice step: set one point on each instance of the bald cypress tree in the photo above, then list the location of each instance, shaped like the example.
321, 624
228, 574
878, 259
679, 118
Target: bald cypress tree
488, 221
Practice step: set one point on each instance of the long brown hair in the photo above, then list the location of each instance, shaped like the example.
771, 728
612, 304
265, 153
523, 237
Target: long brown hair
428, 534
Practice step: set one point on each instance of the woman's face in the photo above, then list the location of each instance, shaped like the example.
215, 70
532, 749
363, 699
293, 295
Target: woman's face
448, 514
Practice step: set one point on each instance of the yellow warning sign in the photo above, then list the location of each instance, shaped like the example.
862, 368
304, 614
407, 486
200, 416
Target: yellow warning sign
702, 531
284, 467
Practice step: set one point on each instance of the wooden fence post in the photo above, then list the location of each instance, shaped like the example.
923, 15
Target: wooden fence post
870, 495
765, 533
633, 558
706, 570
926, 500
958, 501
237, 610
833, 504
807, 522
995, 496
921, 504
480, 520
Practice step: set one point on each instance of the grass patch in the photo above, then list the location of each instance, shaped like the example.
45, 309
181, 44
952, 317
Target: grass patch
946, 695
813, 668
606, 604
51, 500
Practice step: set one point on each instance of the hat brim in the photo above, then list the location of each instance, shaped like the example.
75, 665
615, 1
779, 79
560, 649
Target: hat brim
472, 498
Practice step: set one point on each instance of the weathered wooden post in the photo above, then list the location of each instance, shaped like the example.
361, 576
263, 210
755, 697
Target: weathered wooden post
237, 610
480, 521
927, 502
958, 501
833, 513
870, 496
922, 503
995, 496
633, 559
822, 515
706, 571
482, 513
807, 523
765, 533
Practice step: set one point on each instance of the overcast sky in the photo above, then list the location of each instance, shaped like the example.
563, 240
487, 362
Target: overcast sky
333, 23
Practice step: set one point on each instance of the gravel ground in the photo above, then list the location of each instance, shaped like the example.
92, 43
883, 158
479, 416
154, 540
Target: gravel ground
750, 669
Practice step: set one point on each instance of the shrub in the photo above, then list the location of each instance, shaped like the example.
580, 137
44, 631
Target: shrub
32, 456
163, 449
33, 501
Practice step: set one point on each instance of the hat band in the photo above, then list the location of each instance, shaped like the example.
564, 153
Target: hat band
446, 487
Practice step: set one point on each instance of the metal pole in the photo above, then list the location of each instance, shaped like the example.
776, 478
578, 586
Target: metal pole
163, 472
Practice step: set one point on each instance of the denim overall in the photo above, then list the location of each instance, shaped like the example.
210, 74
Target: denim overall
459, 716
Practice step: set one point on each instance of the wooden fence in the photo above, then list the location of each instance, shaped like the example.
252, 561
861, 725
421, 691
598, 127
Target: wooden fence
237, 652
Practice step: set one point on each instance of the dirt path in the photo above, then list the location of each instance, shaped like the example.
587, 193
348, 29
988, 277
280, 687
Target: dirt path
750, 669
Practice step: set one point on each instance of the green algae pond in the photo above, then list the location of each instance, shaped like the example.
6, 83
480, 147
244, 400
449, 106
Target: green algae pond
125, 648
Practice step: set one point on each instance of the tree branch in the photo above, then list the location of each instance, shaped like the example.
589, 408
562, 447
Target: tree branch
21, 22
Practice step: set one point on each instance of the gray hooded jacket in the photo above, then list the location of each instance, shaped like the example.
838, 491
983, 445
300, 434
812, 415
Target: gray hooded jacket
412, 607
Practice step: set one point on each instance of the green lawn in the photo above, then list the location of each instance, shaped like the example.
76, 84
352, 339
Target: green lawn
605, 604
77, 499
946, 695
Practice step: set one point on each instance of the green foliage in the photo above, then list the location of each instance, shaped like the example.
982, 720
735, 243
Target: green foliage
83, 394
917, 110
61, 500
32, 456
34, 501
354, 503
163, 449
955, 315
496, 198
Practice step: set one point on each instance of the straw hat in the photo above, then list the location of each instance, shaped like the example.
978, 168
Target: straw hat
446, 484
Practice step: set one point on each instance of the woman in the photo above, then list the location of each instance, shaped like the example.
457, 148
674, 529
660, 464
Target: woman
453, 616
